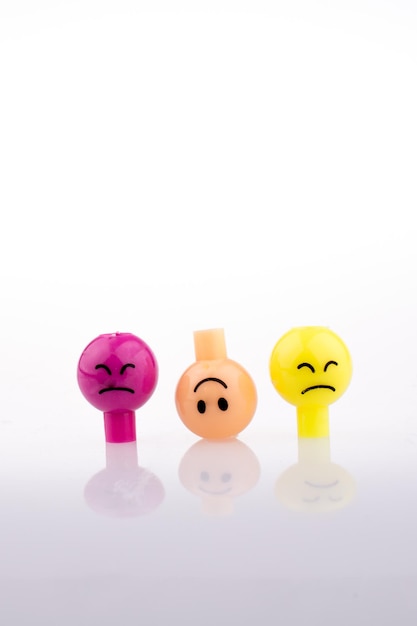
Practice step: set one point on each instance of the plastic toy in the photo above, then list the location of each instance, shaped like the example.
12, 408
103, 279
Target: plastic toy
311, 368
117, 373
315, 484
215, 397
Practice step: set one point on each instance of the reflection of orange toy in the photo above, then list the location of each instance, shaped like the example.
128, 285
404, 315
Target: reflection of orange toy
218, 472
215, 397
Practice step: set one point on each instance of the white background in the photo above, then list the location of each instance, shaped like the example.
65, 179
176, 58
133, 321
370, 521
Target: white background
167, 167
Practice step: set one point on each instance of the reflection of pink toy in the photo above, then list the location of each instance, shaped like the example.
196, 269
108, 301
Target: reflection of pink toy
117, 373
123, 489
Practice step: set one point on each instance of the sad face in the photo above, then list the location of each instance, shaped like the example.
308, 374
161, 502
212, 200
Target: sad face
117, 372
310, 366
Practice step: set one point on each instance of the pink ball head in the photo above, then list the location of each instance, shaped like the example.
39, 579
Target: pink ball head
117, 373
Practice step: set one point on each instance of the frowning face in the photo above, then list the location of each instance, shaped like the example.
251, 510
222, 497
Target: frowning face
216, 399
313, 487
117, 372
310, 366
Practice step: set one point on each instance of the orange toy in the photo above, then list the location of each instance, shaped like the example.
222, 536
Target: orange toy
215, 397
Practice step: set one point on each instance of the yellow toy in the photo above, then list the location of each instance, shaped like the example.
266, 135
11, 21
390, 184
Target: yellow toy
311, 367
215, 397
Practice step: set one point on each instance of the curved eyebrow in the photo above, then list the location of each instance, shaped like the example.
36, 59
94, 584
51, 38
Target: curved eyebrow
329, 363
104, 367
123, 368
306, 365
216, 380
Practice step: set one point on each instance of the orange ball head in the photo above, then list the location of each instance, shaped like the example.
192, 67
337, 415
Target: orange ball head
216, 399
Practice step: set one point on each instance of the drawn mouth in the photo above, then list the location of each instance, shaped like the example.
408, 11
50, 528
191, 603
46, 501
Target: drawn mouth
321, 486
215, 493
318, 387
116, 389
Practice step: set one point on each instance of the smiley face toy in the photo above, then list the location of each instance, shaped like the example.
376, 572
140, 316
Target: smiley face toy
117, 373
215, 397
311, 368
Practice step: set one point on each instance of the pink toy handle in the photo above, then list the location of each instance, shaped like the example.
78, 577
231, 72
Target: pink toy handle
120, 426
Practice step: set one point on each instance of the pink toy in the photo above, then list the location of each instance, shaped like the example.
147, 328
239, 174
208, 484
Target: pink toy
117, 373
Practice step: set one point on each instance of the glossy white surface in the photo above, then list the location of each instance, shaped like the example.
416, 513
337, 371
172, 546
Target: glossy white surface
117, 550
173, 167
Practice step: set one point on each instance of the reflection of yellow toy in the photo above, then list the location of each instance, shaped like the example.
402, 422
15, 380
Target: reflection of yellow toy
215, 397
315, 484
311, 367
218, 472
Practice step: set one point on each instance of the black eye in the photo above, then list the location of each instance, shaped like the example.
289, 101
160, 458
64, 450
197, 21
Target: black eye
123, 368
104, 367
226, 477
329, 363
306, 365
222, 404
204, 476
201, 406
